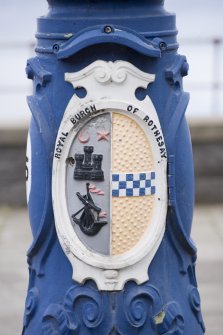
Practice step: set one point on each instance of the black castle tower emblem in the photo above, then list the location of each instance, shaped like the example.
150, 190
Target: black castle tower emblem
88, 165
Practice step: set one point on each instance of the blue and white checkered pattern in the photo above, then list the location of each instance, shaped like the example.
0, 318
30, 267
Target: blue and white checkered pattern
133, 184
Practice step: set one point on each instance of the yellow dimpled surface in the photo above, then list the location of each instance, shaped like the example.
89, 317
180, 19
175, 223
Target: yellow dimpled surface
131, 153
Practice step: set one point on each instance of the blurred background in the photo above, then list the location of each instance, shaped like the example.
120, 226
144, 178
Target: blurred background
200, 28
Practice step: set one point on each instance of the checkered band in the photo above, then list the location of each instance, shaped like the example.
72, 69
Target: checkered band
133, 184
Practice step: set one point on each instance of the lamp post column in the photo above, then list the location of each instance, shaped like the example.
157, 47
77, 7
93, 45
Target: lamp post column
110, 174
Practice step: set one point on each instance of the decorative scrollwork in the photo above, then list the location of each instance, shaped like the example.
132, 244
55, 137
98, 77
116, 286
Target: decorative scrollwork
144, 311
36, 72
117, 72
30, 305
195, 303
120, 75
139, 314
88, 311
104, 72
110, 72
45, 124
138, 301
55, 321
178, 70
170, 320
91, 303
83, 310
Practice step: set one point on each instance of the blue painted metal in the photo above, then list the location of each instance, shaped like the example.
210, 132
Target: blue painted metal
72, 35
117, 35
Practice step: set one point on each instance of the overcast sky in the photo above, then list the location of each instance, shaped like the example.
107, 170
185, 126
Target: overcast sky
194, 17
197, 19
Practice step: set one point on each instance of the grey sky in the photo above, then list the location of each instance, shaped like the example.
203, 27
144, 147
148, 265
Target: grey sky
194, 17
197, 19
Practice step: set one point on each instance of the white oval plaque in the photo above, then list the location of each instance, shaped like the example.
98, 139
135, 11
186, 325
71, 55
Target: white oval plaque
109, 177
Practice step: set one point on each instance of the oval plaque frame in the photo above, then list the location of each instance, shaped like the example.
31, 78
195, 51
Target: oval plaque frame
109, 272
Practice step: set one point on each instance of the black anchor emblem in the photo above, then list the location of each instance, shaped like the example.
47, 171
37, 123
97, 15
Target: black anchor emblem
88, 222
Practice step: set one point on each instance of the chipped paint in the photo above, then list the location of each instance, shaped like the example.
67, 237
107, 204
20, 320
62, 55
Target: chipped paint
68, 35
158, 319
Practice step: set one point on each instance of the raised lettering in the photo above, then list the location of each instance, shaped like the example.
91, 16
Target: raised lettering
163, 153
60, 144
162, 150
154, 127
157, 133
160, 144
62, 139
159, 138
82, 113
93, 108
72, 120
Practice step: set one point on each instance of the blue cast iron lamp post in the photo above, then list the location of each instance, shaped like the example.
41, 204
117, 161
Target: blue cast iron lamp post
110, 186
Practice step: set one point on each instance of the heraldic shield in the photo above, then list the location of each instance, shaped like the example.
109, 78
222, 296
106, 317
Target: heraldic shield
109, 176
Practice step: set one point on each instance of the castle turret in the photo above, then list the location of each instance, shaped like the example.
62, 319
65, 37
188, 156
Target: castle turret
97, 173
88, 166
88, 157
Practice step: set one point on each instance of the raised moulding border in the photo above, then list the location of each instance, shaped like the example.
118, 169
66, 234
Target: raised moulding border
109, 95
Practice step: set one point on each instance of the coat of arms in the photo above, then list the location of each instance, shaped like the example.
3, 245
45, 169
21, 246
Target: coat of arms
112, 170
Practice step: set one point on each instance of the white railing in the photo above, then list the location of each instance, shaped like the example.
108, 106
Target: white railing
205, 80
